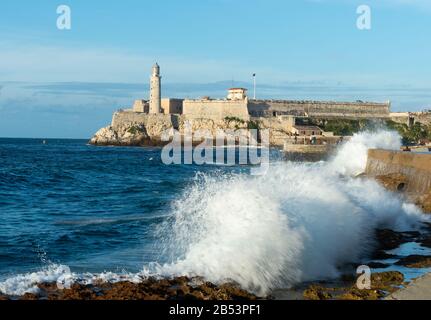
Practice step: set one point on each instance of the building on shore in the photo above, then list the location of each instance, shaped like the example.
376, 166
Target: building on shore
237, 105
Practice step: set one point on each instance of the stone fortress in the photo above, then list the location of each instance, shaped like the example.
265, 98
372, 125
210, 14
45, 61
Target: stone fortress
145, 121
238, 105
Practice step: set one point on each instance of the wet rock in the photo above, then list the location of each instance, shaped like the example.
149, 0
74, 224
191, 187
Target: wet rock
357, 294
415, 261
382, 255
383, 280
425, 242
30, 296
234, 292
76, 292
377, 265
180, 288
382, 283
388, 239
316, 292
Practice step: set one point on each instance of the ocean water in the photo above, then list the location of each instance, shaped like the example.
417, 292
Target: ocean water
92, 208
72, 210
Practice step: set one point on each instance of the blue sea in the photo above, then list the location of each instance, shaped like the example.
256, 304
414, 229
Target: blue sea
91, 208
69, 209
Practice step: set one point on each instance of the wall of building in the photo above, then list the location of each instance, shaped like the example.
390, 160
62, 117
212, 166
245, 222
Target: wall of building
141, 106
319, 109
215, 109
172, 106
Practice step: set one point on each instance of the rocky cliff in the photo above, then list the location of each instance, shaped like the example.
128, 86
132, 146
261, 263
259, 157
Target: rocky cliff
140, 129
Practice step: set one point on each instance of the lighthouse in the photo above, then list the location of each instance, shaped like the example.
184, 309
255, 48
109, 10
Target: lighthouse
155, 90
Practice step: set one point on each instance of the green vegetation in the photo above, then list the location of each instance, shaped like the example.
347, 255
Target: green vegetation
234, 119
344, 127
134, 130
250, 124
413, 134
253, 125
410, 135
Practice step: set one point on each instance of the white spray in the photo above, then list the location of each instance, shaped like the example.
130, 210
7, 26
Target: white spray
299, 222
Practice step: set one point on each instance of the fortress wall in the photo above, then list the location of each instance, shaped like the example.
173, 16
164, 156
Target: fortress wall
423, 117
320, 109
401, 117
172, 106
129, 118
215, 109
409, 118
154, 123
267, 108
414, 166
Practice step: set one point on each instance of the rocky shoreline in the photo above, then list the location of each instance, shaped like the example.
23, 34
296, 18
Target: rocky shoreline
183, 288
383, 283
180, 288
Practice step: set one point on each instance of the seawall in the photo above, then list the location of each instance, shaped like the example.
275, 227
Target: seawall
405, 172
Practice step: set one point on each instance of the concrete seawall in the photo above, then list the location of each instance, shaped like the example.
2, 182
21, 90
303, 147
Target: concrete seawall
303, 152
414, 166
407, 172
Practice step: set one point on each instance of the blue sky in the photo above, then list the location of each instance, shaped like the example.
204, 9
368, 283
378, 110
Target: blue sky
66, 84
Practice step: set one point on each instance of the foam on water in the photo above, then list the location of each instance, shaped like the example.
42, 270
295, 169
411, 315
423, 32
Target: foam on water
298, 222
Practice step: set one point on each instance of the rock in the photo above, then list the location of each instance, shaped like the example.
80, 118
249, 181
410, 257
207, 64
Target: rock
389, 240
357, 294
377, 265
381, 284
30, 296
415, 261
425, 242
149, 289
382, 255
234, 292
76, 292
105, 136
134, 135
316, 292
383, 280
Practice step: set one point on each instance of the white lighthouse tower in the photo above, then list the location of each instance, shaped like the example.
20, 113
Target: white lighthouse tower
155, 90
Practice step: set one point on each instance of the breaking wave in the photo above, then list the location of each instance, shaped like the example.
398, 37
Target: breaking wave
299, 222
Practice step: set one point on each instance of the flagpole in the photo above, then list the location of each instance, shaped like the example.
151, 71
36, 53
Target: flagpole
254, 86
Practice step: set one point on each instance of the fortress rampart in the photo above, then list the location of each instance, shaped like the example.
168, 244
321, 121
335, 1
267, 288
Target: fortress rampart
319, 109
215, 109
410, 118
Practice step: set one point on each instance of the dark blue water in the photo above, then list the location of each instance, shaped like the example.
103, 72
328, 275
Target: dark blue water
91, 208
